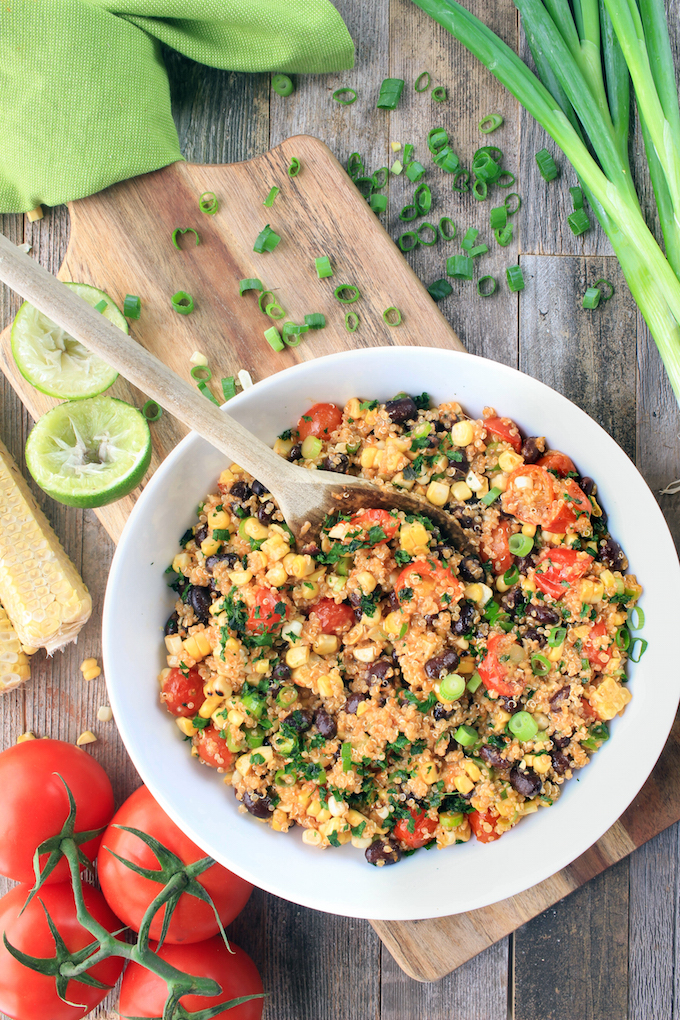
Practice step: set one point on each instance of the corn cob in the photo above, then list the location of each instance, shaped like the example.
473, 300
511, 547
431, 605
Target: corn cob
14, 664
41, 590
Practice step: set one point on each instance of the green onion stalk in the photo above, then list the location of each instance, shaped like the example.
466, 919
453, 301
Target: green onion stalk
586, 54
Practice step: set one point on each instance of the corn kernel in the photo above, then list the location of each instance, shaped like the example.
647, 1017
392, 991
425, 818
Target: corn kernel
478, 484
529, 530
337, 808
91, 674
253, 529
304, 797
181, 562
279, 820
173, 644
591, 591
326, 644
438, 493
368, 455
361, 842
355, 817
366, 581
393, 622
104, 713
462, 433
463, 784
461, 491
232, 645
329, 686
466, 666
303, 566
209, 546
353, 408
243, 764
186, 726
478, 593
413, 537
362, 708
314, 809
367, 653
87, 737
428, 772
226, 477
555, 654
297, 656
219, 519
542, 763
87, 664
312, 837
501, 585
509, 460
23, 737
210, 705
275, 548
472, 770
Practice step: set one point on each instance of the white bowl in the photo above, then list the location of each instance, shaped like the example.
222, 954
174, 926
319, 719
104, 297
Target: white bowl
428, 884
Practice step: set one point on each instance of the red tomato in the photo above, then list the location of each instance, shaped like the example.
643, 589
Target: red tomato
427, 577
505, 430
558, 462
597, 651
495, 547
130, 894
264, 616
26, 995
573, 502
34, 803
493, 672
368, 519
557, 569
212, 749
535, 497
334, 618
589, 712
478, 824
143, 993
422, 829
182, 692
320, 420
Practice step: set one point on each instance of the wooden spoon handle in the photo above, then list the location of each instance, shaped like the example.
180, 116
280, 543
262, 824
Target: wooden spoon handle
138, 366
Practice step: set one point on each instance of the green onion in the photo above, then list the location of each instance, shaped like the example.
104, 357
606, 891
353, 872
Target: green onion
479, 190
483, 288
498, 217
273, 338
199, 372
414, 171
101, 306
591, 298
459, 266
623, 638
480, 249
511, 576
132, 306
365, 185
274, 310
282, 84
295, 167
576, 197
152, 411
266, 240
392, 316
504, 236
283, 778
339, 95
546, 165
520, 545
439, 94
413, 238
255, 738
390, 93
540, 666
396, 167
355, 164
506, 180
578, 222
452, 687
523, 726
208, 203
515, 278
182, 302
490, 123
346, 756
608, 291
378, 203
466, 736
439, 290
491, 496
485, 167
323, 267
408, 153
265, 298
286, 697
351, 322
377, 181
513, 194
249, 284
408, 213
474, 682
427, 226
228, 387
292, 333
203, 387
636, 618
446, 223
426, 85
347, 293
637, 649
437, 138
557, 636
463, 175
447, 160
183, 230
422, 199
471, 236
316, 320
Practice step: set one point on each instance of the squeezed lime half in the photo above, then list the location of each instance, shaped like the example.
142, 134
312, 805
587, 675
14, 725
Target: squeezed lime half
52, 360
88, 453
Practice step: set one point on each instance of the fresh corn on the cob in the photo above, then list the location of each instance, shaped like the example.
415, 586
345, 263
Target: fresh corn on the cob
41, 590
14, 664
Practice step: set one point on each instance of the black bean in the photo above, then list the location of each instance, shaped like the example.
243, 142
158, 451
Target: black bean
561, 742
432, 442
325, 724
533, 449
509, 704
493, 757
465, 520
466, 618
201, 533
296, 452
560, 696
338, 462
231, 559
300, 720
546, 616
512, 600
258, 806
587, 485
526, 782
281, 672
171, 624
439, 426
311, 549
265, 513
258, 488
241, 490
532, 634
353, 702
380, 670
394, 602
612, 555
402, 409
439, 665
471, 570
200, 602
382, 852
525, 563
560, 762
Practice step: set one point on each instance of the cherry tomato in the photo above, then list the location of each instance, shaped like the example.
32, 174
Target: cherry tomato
589, 712
427, 577
34, 802
493, 672
505, 430
478, 824
558, 462
597, 651
267, 613
143, 993
334, 618
535, 497
27, 995
557, 569
423, 827
129, 894
320, 420
368, 519
182, 692
572, 502
495, 547
213, 749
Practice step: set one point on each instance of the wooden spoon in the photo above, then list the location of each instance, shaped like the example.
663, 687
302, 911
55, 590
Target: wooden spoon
304, 496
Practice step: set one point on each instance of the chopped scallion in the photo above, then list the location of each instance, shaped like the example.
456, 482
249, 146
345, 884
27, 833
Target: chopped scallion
347, 293
464, 176
479, 249
513, 207
638, 648
182, 302
378, 203
423, 77
447, 160
228, 387
408, 240
520, 545
208, 203
540, 665
203, 387
437, 138
201, 373
415, 171
422, 199
484, 288
439, 290
271, 197
152, 411
504, 236
390, 93
636, 618
490, 123
408, 213
505, 180
265, 298
460, 267
365, 185
434, 238
340, 94
490, 497
101, 306
274, 310
557, 635
266, 240
323, 267
132, 306
294, 167
576, 197
546, 165
183, 230
316, 320
346, 756
447, 224
470, 238
485, 167
292, 333
355, 164
511, 576
515, 278
591, 298
378, 180
392, 316
252, 283
351, 322
608, 291
396, 168
479, 190
282, 84
523, 725
578, 222
439, 94
498, 217
273, 338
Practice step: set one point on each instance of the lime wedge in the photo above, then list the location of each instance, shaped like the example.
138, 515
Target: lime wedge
54, 362
88, 453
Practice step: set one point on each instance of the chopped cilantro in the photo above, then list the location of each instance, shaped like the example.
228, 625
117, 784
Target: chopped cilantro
186, 537
306, 417
369, 405
402, 557
199, 723
422, 401
375, 535
333, 839
287, 434
221, 534
422, 706
406, 594
454, 455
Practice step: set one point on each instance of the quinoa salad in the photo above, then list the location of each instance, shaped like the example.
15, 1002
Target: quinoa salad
377, 687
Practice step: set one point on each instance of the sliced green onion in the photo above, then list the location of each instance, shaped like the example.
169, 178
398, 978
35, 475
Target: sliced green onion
520, 545
377, 181
576, 197
208, 203
152, 411
490, 497
295, 167
504, 236
556, 636
365, 185
474, 682
132, 306
523, 726
340, 93
252, 283
439, 290
274, 310
591, 298
316, 320
396, 167
392, 316
546, 165
292, 333
623, 638
265, 298
183, 230
283, 778
578, 222
608, 292
505, 180
479, 249
351, 322
228, 387
485, 167
490, 123
426, 85
101, 306
484, 289
282, 84
273, 338
479, 190
466, 736
427, 226
511, 576
266, 240
446, 223
515, 278
378, 203
437, 138
182, 302
447, 160
498, 217
355, 164
422, 199
463, 175
513, 194
439, 94
415, 171
201, 373
638, 648
459, 266
540, 666
350, 292
404, 243
203, 387
323, 267
390, 93
346, 756
452, 687
489, 150
286, 697
636, 618
408, 213
408, 153
471, 236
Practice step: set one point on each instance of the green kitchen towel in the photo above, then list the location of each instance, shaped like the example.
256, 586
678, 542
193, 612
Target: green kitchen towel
84, 95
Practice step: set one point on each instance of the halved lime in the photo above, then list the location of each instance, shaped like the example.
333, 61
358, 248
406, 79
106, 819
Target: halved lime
88, 453
52, 360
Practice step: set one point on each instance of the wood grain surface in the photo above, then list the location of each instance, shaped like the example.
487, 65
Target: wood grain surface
610, 949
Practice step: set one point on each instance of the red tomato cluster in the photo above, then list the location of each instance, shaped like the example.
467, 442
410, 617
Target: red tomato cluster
535, 496
29, 775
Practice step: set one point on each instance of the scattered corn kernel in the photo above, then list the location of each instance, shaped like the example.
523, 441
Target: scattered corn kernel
509, 460
461, 491
438, 493
462, 433
23, 737
87, 737
104, 713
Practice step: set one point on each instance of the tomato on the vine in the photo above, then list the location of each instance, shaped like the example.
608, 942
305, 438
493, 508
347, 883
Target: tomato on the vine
320, 420
334, 617
143, 993
480, 822
182, 692
422, 826
34, 803
27, 995
129, 894
267, 613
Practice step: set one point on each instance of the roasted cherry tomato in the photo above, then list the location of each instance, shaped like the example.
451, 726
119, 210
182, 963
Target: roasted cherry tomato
534, 496
493, 672
495, 547
212, 749
427, 577
596, 650
557, 569
334, 618
368, 519
505, 430
423, 828
182, 692
479, 823
320, 420
558, 462
267, 613
573, 503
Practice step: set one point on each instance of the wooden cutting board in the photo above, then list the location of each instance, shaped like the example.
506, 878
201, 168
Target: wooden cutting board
121, 242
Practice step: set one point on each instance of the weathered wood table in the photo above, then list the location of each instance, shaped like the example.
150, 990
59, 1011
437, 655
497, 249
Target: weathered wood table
609, 951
